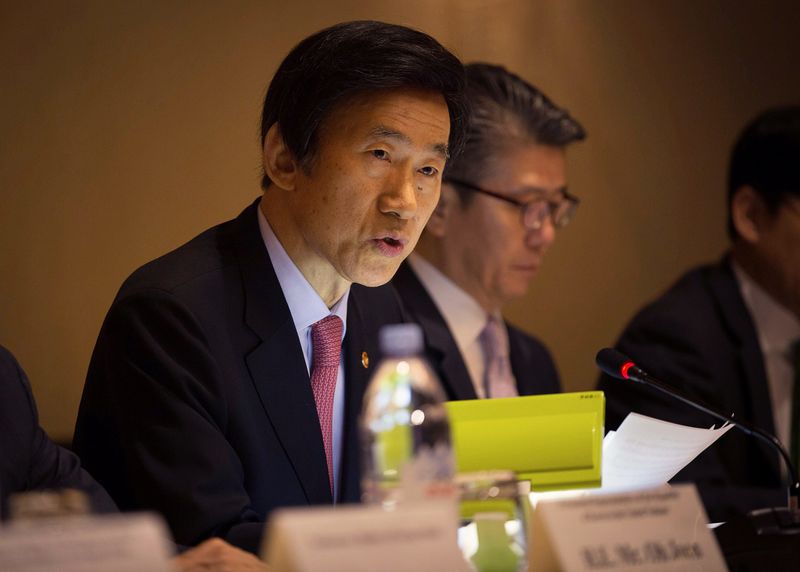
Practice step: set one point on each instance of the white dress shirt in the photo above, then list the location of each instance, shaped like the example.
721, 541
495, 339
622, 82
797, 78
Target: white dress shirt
463, 315
777, 330
307, 308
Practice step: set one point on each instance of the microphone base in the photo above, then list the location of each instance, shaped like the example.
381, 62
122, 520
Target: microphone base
776, 520
764, 539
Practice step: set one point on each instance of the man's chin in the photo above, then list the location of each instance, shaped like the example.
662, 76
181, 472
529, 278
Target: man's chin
376, 276
516, 291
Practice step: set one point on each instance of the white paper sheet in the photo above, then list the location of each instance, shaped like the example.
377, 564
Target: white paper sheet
646, 452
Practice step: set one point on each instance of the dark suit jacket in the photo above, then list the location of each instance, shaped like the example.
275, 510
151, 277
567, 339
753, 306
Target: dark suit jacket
29, 460
699, 336
531, 363
198, 402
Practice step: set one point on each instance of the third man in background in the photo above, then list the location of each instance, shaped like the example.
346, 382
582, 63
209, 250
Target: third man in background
728, 333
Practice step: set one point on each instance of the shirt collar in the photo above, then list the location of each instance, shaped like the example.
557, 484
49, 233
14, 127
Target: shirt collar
777, 327
305, 305
464, 316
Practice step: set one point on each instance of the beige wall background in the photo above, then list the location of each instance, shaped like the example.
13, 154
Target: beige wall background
128, 127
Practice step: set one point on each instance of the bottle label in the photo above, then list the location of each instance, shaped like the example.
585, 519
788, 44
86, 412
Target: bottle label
429, 474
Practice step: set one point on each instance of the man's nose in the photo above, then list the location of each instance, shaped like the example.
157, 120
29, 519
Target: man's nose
400, 197
542, 236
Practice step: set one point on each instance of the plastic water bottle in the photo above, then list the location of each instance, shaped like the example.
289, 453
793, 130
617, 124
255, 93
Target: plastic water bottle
495, 552
405, 433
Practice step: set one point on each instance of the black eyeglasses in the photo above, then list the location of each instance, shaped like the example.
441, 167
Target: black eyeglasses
534, 212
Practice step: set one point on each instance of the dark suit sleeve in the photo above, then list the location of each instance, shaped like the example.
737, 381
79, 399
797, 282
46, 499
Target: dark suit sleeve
156, 394
30, 460
661, 341
661, 348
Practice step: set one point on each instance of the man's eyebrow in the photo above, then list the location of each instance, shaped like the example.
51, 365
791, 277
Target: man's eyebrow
383, 132
443, 150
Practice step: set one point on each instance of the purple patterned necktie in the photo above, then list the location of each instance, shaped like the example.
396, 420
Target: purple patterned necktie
326, 343
498, 378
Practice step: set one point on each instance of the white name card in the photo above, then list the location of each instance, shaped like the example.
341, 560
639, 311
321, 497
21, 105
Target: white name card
416, 537
660, 529
122, 543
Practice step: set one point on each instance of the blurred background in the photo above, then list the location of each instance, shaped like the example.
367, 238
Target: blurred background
126, 128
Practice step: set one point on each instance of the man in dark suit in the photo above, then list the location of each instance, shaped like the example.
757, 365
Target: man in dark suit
204, 398
29, 460
724, 332
502, 200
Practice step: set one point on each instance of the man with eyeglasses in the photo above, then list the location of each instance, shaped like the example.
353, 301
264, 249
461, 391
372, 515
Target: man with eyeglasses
728, 333
502, 201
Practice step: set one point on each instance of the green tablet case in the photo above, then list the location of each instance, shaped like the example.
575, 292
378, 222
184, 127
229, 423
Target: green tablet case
555, 440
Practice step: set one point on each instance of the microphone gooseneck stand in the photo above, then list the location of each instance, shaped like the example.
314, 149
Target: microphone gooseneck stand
774, 520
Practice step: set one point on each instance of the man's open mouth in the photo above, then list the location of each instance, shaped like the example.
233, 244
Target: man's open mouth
392, 241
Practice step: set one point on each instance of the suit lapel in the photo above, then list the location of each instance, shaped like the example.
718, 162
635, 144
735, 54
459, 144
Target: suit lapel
356, 344
524, 373
454, 371
443, 350
739, 322
277, 365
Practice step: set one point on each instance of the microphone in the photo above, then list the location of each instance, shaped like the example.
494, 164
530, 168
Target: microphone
618, 365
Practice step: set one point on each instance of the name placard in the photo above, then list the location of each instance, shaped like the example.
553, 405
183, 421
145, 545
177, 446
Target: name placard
659, 529
415, 537
123, 543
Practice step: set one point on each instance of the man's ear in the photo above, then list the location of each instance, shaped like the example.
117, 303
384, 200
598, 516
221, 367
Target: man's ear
279, 162
748, 213
438, 223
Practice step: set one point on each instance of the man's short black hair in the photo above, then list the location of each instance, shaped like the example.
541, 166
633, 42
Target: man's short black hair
352, 58
506, 111
766, 157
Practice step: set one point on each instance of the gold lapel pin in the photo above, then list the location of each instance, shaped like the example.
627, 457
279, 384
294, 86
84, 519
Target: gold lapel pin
364, 360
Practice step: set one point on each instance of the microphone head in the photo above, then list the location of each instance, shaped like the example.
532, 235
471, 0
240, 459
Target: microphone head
614, 363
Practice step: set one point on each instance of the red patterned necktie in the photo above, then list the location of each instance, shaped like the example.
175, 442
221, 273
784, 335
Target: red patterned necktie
326, 343
498, 378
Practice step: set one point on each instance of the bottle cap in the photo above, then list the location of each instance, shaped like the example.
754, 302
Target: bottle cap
400, 339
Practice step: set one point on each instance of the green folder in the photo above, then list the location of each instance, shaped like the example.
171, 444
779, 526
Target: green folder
555, 441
